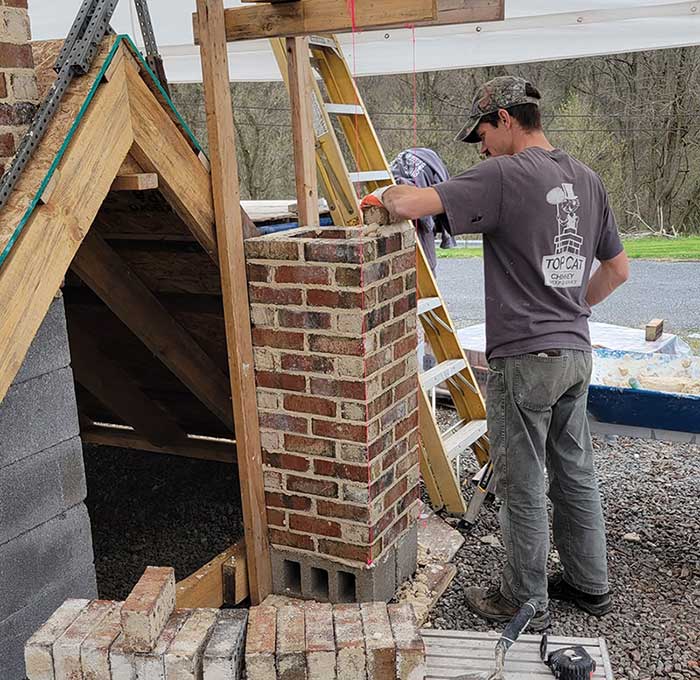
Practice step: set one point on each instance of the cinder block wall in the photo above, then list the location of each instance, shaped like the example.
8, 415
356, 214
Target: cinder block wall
334, 330
45, 541
18, 91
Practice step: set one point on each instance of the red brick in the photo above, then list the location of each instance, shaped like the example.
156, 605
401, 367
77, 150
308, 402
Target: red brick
315, 405
356, 513
379, 445
393, 374
280, 381
379, 640
388, 244
16, 56
307, 363
407, 462
390, 289
410, 650
283, 500
393, 453
320, 641
309, 445
285, 461
3, 86
403, 262
314, 487
301, 274
259, 273
384, 522
392, 332
345, 471
280, 421
379, 404
349, 277
406, 425
275, 296
377, 317
275, 517
394, 414
346, 431
395, 530
378, 360
403, 347
405, 304
350, 642
291, 643
268, 249
381, 484
348, 551
406, 387
335, 345
396, 492
337, 299
283, 537
292, 319
260, 646
410, 280
347, 389
411, 496
314, 525
263, 337
319, 251
7, 144
15, 3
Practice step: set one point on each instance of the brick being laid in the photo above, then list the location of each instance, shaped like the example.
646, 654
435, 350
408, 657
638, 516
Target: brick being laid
261, 643
151, 665
320, 641
185, 655
94, 652
147, 609
38, 651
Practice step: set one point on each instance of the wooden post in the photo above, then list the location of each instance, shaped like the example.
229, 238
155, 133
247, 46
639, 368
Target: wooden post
234, 287
300, 93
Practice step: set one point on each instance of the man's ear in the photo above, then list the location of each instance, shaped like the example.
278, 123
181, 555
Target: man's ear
505, 118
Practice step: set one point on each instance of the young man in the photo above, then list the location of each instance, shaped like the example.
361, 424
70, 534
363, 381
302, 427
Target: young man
544, 217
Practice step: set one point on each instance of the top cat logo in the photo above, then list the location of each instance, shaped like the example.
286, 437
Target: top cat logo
565, 268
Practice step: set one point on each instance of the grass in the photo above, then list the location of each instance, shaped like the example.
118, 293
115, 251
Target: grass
652, 248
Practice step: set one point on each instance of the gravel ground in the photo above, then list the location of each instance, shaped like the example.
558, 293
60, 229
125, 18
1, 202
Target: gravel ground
650, 489
152, 509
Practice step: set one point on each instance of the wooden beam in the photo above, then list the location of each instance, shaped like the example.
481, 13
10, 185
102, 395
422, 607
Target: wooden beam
306, 17
122, 291
116, 389
236, 579
141, 181
303, 137
215, 450
234, 288
35, 267
205, 588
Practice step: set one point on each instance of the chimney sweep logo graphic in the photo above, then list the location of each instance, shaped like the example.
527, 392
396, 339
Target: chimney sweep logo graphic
565, 268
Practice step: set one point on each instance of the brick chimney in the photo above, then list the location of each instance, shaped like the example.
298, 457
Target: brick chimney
18, 90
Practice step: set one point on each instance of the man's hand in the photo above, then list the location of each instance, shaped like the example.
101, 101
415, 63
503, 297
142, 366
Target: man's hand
374, 211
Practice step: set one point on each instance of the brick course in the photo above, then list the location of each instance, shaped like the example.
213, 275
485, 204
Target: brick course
334, 345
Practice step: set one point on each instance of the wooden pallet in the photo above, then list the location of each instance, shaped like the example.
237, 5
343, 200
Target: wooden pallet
461, 654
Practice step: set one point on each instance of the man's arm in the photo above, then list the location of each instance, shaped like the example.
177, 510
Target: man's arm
610, 275
408, 202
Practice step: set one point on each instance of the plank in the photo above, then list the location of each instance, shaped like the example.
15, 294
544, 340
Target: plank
101, 268
235, 579
115, 388
141, 181
205, 588
37, 263
229, 232
303, 137
217, 450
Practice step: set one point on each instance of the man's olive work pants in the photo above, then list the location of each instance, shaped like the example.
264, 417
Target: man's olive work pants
536, 408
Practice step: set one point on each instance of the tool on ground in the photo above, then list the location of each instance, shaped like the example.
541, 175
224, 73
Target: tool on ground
90, 26
440, 451
568, 663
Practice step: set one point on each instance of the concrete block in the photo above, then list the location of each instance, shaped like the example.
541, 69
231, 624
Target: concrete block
379, 641
151, 665
37, 414
41, 486
260, 647
148, 608
49, 349
406, 548
223, 657
47, 554
17, 628
351, 662
66, 649
410, 651
320, 641
184, 658
94, 652
38, 652
291, 644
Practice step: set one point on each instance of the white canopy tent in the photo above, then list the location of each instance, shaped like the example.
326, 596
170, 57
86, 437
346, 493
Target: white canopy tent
533, 30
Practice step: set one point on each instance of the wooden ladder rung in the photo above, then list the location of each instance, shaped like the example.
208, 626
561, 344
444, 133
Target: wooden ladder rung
427, 304
345, 109
437, 374
370, 176
464, 438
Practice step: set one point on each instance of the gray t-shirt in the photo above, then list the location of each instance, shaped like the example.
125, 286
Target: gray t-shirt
545, 217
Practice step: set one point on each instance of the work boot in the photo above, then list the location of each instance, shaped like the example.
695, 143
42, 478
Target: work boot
559, 589
492, 606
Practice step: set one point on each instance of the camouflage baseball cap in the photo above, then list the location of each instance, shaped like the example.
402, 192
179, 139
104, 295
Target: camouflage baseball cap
499, 93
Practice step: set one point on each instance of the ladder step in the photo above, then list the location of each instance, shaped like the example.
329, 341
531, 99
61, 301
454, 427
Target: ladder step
465, 437
345, 109
370, 176
426, 304
437, 374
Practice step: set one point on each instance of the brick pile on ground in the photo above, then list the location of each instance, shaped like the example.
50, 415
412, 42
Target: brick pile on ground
143, 638
321, 641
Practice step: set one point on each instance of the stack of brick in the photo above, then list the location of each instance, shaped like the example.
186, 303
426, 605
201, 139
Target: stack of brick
18, 90
143, 638
320, 641
334, 331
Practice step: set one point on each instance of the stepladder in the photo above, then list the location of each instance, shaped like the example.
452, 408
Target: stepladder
339, 114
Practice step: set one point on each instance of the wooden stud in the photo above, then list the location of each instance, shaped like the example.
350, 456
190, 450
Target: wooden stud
234, 287
235, 575
300, 93
141, 181
122, 291
49, 188
205, 588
